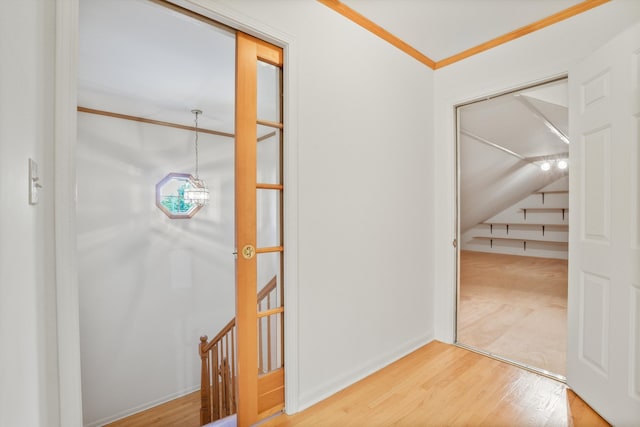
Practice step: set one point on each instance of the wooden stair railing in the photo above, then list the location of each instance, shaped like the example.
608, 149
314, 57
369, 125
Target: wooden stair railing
218, 374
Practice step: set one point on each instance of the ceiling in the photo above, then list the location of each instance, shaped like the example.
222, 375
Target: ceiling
160, 74
172, 63
503, 142
440, 32
159, 70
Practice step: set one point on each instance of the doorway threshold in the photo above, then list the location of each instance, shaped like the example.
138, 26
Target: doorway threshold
530, 368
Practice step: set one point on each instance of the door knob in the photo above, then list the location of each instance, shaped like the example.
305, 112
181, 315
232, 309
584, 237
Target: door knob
248, 252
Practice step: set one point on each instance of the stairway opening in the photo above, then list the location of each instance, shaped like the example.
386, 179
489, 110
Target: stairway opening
152, 281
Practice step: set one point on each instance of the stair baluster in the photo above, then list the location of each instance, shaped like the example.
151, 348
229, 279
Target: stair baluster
218, 375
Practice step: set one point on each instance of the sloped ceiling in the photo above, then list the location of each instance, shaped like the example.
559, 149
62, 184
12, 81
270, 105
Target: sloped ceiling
502, 143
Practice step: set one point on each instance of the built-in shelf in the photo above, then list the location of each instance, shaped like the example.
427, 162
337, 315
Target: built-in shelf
519, 239
547, 229
551, 192
533, 224
543, 227
563, 210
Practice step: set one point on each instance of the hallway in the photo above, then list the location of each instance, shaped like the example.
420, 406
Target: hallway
438, 384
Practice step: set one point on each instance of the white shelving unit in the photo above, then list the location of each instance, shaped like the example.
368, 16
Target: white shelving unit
538, 225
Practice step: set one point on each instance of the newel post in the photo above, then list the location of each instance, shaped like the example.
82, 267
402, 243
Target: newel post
205, 384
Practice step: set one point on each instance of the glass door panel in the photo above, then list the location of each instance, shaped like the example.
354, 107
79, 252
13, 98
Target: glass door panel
270, 271
270, 325
268, 216
269, 155
259, 230
269, 92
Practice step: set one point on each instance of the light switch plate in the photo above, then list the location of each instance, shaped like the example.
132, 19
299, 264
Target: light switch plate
34, 185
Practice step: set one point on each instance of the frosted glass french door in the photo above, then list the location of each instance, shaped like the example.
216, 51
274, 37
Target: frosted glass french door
259, 239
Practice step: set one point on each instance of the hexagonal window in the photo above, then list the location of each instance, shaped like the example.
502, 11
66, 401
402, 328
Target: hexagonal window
170, 196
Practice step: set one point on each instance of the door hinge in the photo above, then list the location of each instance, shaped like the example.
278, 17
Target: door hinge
455, 243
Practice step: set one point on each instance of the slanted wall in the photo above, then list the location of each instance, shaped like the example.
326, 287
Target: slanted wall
537, 225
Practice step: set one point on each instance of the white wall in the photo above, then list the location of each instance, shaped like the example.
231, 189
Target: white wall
538, 56
28, 369
365, 129
149, 285
510, 223
364, 138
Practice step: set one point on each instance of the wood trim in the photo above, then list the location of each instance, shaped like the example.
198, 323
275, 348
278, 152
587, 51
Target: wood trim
374, 28
522, 31
270, 380
271, 392
270, 186
270, 124
267, 136
248, 51
368, 25
269, 249
269, 54
266, 52
267, 288
270, 312
224, 331
152, 122
205, 384
169, 124
246, 269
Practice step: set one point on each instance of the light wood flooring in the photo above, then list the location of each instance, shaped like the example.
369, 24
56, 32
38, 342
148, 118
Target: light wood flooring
445, 385
181, 412
515, 307
438, 384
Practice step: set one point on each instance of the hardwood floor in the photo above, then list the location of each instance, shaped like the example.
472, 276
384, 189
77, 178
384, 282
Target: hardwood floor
441, 384
438, 384
181, 412
515, 307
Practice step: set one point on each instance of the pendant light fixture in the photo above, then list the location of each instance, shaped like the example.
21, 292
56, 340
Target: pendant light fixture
196, 192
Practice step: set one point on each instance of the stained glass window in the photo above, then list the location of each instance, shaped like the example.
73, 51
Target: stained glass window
170, 196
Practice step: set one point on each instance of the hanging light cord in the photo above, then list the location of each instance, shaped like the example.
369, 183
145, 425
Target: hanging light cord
197, 113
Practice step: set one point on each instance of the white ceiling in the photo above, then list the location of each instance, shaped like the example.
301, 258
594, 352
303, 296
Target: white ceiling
142, 59
526, 123
517, 122
442, 28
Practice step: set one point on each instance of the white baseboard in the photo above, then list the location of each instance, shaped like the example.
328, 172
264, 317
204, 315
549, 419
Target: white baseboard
333, 386
142, 407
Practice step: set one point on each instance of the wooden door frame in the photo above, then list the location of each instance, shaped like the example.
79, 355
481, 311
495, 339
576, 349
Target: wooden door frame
69, 396
249, 51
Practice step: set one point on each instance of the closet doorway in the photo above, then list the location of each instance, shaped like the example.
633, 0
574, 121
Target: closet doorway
513, 201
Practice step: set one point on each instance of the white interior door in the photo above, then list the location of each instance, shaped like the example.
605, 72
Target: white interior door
603, 355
